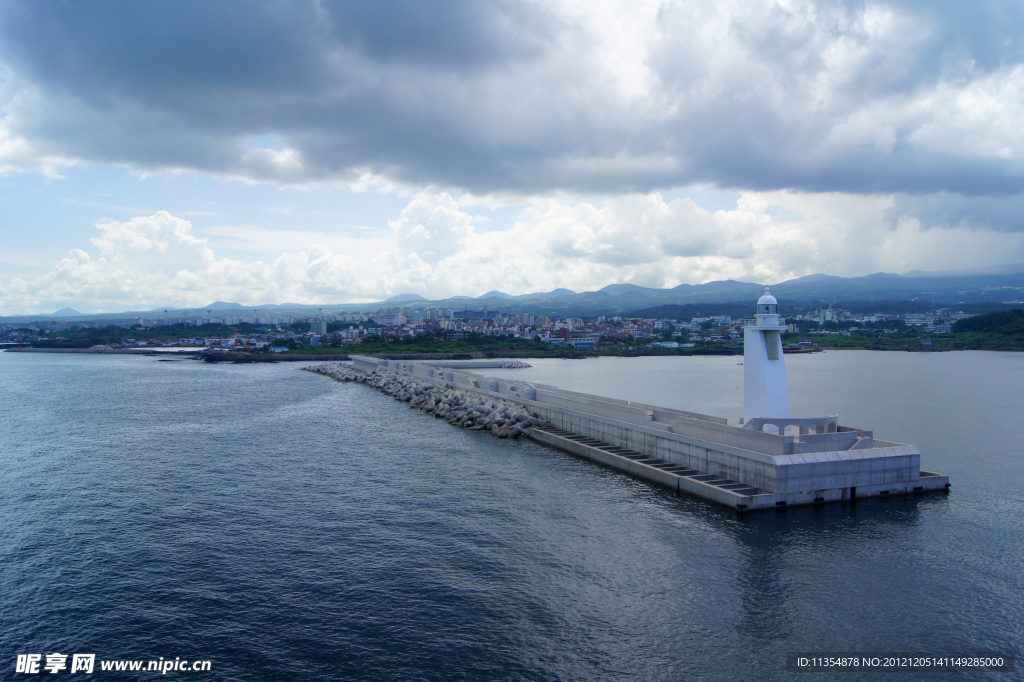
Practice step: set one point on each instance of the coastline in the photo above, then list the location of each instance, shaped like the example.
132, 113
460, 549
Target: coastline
343, 354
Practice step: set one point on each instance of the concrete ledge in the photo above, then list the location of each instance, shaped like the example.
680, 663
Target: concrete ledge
674, 481
729, 493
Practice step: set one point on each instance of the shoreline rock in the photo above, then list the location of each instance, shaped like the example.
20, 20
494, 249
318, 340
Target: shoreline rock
459, 407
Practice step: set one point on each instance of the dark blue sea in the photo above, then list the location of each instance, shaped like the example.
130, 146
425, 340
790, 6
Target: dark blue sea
284, 526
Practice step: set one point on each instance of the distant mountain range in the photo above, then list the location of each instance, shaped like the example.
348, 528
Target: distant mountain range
962, 287
951, 288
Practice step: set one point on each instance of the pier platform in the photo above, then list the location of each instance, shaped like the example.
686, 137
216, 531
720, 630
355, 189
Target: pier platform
767, 463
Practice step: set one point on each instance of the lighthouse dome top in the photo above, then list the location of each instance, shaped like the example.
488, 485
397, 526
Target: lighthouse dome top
767, 305
767, 299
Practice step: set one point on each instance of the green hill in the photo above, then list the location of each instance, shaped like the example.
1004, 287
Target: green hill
1008, 322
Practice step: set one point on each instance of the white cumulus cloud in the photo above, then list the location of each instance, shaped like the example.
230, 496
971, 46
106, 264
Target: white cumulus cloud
434, 250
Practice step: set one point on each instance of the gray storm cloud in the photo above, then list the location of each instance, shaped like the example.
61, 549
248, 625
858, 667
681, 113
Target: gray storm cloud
528, 97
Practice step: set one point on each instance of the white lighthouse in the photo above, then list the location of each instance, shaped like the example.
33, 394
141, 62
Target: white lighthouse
765, 386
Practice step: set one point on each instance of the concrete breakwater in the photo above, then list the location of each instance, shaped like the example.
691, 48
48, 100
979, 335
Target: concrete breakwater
761, 464
465, 409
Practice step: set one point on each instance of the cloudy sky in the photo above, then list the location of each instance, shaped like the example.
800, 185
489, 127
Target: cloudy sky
176, 153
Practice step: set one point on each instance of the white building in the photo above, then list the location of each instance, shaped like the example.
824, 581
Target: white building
389, 320
765, 384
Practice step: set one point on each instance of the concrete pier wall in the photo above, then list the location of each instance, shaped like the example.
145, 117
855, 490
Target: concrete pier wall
796, 469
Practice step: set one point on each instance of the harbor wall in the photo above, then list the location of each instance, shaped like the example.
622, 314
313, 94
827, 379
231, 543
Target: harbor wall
809, 466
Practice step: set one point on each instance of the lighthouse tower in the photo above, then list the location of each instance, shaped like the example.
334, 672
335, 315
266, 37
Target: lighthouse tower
765, 386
